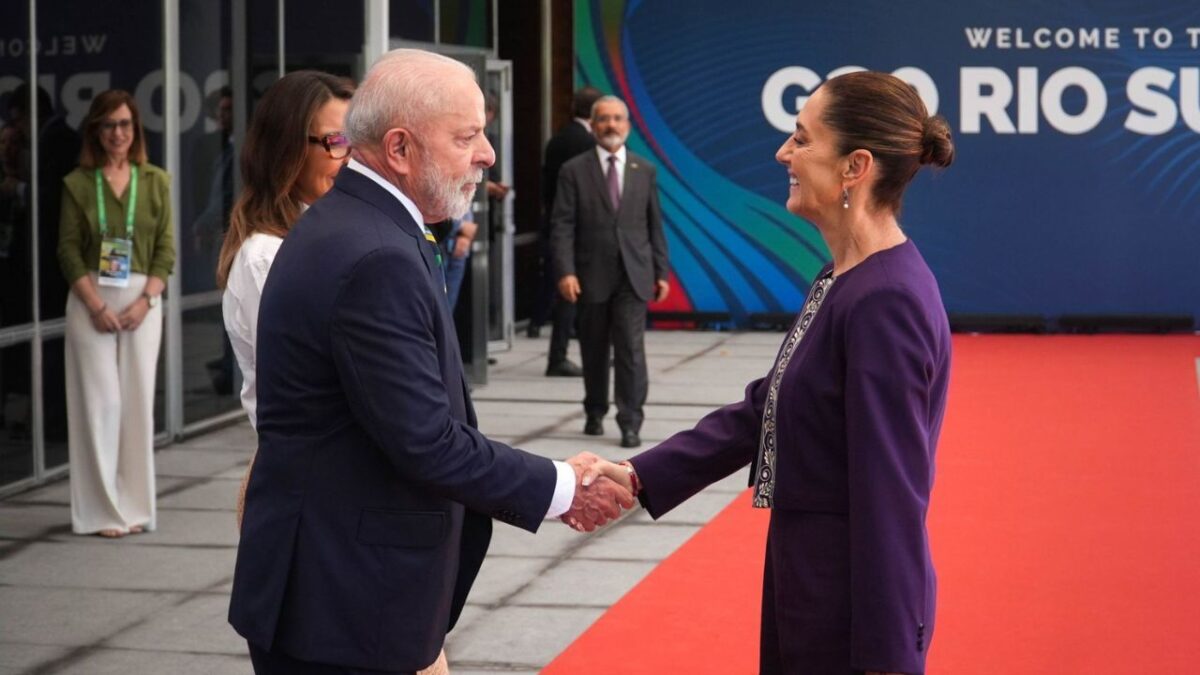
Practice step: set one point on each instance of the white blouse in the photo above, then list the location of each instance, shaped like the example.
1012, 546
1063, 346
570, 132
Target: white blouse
239, 306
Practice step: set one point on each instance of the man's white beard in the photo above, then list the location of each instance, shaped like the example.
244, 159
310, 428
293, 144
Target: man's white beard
445, 195
612, 142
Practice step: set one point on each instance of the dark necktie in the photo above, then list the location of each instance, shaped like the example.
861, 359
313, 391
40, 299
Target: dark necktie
614, 182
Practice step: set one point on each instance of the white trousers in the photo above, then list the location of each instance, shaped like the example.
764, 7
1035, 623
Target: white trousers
110, 414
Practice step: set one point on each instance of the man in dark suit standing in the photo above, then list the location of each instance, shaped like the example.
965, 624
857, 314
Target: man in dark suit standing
611, 257
572, 140
368, 511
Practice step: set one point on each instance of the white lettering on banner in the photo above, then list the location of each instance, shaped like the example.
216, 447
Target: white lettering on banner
1005, 37
78, 90
1157, 98
987, 92
1162, 38
93, 44
784, 119
1154, 112
1189, 97
978, 38
55, 45
189, 101
1093, 110
1027, 106
778, 115
976, 104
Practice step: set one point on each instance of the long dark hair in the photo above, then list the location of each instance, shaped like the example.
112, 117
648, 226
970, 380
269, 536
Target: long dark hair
91, 152
273, 157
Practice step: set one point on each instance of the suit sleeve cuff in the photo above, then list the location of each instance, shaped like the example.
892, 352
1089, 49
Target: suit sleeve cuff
564, 490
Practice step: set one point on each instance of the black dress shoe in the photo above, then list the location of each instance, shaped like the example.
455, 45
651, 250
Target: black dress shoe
563, 368
630, 438
593, 427
533, 331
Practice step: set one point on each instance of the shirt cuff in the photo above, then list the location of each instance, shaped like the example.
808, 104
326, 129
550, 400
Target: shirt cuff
564, 490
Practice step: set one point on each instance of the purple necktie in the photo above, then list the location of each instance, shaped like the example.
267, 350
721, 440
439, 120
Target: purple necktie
614, 183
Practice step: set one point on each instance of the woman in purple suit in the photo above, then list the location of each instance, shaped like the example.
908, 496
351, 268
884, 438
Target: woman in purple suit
841, 432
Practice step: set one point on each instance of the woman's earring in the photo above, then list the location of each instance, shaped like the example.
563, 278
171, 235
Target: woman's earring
845, 198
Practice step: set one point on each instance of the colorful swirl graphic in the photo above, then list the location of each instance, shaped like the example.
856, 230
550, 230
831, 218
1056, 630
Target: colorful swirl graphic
731, 249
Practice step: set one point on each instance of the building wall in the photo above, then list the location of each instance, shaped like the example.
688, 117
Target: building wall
229, 52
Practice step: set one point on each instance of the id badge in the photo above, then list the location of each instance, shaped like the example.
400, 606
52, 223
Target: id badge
115, 258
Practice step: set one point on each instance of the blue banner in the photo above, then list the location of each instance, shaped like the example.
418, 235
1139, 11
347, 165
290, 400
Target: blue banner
1076, 189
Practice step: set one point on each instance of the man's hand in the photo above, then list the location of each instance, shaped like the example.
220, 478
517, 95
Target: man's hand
661, 290
568, 287
598, 500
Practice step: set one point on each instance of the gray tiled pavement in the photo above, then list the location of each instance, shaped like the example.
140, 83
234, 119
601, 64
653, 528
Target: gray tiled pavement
156, 603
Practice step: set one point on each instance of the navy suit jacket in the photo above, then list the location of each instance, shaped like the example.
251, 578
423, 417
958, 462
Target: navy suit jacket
860, 411
367, 513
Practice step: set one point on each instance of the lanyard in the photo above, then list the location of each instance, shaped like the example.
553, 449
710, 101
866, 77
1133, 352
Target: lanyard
133, 181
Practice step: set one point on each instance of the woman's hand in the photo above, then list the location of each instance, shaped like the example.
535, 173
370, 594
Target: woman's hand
618, 473
133, 315
105, 320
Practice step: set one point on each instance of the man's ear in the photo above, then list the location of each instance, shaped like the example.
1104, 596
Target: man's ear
858, 167
398, 150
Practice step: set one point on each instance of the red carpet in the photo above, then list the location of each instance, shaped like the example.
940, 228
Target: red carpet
1065, 523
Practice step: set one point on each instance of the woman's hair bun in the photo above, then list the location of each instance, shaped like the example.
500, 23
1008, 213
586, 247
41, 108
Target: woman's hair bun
937, 143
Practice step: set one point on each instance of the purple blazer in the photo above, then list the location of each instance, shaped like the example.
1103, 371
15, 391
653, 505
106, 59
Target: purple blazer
849, 581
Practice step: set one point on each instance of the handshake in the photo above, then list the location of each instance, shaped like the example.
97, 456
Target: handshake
602, 489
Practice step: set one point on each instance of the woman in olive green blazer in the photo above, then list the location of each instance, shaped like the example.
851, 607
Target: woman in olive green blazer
116, 250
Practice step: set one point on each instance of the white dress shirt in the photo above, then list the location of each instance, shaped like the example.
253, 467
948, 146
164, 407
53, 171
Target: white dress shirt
564, 488
239, 307
620, 154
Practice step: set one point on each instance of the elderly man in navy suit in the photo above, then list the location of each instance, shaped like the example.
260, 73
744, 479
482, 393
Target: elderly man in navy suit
369, 510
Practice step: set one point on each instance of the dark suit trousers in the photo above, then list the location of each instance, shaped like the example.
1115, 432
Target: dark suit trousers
273, 663
562, 314
620, 325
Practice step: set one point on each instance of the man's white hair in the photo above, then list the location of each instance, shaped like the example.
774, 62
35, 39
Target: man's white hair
404, 88
608, 98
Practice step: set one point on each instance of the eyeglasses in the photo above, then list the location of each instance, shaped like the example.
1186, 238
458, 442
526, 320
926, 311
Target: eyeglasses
335, 143
109, 126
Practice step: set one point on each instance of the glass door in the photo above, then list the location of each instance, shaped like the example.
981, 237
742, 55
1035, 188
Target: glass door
497, 88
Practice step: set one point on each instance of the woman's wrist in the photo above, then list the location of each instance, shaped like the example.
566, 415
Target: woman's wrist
99, 310
636, 485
